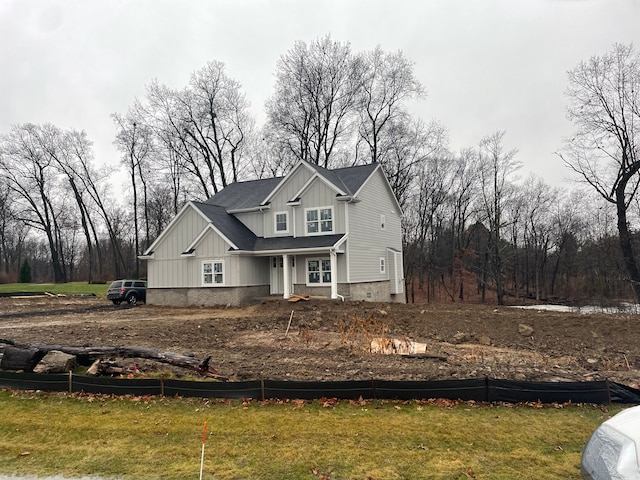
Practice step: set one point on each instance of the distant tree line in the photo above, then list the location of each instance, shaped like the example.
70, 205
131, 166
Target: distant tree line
473, 229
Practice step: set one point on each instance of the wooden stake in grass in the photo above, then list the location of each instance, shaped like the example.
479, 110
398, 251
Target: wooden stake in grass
204, 439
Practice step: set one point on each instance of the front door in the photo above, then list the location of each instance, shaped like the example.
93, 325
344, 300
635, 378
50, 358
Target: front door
277, 276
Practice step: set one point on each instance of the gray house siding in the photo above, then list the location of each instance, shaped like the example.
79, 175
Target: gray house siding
278, 203
317, 195
252, 257
254, 221
368, 241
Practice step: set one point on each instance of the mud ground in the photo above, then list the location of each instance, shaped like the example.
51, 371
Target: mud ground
329, 340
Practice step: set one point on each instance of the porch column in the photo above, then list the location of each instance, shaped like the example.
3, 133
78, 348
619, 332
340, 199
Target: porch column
286, 274
334, 274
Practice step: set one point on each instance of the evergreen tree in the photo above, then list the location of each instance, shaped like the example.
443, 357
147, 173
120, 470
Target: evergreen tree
25, 273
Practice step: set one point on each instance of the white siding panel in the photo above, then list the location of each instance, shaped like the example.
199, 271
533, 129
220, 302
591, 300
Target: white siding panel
368, 242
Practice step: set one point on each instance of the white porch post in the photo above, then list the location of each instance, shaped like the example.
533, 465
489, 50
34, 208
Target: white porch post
334, 274
286, 270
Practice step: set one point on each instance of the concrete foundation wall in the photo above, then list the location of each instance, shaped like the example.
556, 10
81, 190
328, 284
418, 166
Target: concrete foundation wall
374, 292
208, 297
205, 297
368, 291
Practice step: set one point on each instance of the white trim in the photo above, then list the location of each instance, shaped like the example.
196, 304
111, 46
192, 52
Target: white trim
213, 273
168, 228
285, 179
319, 221
275, 223
383, 265
259, 208
314, 173
290, 251
310, 182
204, 232
383, 221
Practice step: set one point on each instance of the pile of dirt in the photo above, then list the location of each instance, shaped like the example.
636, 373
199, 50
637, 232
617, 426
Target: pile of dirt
327, 340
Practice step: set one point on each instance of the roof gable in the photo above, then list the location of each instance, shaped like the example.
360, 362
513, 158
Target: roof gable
254, 194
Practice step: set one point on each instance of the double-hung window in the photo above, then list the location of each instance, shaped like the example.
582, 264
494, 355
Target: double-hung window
318, 271
212, 273
319, 220
281, 220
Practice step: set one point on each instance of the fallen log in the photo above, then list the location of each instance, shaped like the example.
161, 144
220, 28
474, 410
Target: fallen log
91, 353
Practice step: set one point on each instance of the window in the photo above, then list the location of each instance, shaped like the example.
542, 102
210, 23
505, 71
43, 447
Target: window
382, 222
282, 222
319, 220
213, 273
383, 265
318, 271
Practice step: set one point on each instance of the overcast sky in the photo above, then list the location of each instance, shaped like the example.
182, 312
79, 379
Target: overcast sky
487, 65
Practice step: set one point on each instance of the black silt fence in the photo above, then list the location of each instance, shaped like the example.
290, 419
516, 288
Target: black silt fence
481, 390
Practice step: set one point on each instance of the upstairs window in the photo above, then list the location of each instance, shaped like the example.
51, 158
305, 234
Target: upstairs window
282, 222
319, 220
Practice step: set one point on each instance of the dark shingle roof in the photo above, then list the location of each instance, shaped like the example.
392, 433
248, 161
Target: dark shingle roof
290, 243
228, 225
245, 239
241, 195
251, 194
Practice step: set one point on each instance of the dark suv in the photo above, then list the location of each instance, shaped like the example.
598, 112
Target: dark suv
129, 291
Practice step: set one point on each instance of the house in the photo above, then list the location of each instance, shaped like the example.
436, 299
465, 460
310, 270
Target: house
333, 233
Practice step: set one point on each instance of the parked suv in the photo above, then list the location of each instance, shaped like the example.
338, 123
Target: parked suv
130, 291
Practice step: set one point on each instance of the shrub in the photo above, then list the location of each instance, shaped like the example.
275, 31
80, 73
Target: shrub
25, 273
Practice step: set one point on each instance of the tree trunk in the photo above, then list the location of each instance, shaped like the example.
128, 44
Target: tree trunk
626, 241
176, 359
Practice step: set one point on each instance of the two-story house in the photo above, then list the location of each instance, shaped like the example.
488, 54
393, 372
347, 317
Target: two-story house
333, 233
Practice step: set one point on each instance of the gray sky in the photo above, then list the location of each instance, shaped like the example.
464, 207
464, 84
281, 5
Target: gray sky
487, 65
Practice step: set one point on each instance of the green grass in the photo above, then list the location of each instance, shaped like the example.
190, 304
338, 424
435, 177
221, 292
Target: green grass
153, 438
72, 288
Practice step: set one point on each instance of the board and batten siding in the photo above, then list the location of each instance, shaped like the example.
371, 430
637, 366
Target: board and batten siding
368, 242
254, 221
287, 191
317, 195
168, 268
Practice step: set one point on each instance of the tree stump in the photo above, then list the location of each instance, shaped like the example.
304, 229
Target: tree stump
56, 361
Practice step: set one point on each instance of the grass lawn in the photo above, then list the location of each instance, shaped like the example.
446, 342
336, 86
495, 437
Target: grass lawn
72, 288
157, 438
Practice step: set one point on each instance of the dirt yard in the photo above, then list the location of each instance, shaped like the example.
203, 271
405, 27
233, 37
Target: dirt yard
330, 340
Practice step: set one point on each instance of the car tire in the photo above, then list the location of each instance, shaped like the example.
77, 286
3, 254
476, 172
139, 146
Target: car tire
116, 302
132, 299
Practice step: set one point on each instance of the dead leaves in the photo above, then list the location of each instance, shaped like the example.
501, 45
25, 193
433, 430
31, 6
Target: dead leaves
469, 473
320, 475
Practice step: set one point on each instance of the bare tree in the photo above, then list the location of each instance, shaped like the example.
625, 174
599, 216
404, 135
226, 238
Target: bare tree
29, 173
214, 115
496, 168
13, 234
408, 145
604, 105
135, 143
198, 133
313, 105
388, 81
